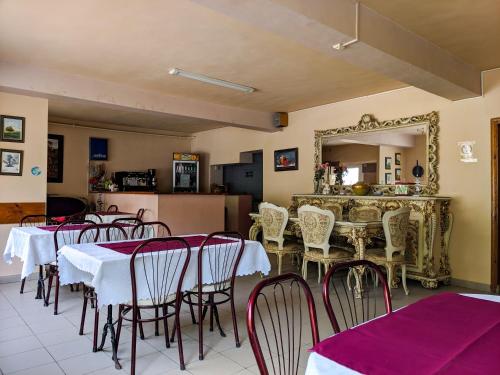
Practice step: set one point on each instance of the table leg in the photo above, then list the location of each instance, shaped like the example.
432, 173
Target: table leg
40, 289
110, 326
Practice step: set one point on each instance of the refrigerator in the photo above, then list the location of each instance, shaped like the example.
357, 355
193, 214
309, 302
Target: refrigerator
186, 173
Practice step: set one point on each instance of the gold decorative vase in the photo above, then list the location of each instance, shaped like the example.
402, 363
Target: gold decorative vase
360, 188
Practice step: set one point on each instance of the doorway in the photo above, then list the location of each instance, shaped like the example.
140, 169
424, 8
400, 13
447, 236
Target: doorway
495, 209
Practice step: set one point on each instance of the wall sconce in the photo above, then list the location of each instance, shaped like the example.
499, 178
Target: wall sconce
466, 149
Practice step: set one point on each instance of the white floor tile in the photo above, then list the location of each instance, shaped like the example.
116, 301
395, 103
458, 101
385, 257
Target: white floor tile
21, 345
50, 369
85, 363
25, 360
218, 364
79, 346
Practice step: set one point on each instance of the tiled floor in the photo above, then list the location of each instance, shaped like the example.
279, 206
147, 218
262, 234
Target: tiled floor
35, 342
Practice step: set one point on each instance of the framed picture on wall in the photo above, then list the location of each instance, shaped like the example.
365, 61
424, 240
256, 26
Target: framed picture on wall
55, 158
12, 162
286, 160
98, 149
388, 178
12, 128
397, 174
388, 162
397, 158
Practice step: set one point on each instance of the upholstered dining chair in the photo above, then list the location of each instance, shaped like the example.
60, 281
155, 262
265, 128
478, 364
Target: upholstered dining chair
157, 269
97, 232
351, 294
64, 236
273, 221
316, 226
218, 259
112, 208
395, 225
34, 221
364, 214
280, 311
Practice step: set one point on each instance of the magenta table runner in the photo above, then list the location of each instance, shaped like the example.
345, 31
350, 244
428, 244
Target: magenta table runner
52, 228
443, 334
193, 241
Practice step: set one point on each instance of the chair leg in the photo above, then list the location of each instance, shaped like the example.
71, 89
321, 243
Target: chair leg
134, 343
56, 296
165, 325
210, 301
304, 269
235, 322
191, 309
200, 328
179, 337
403, 277
319, 272
141, 330
84, 311
280, 261
389, 277
119, 325
22, 285
96, 327
157, 322
49, 288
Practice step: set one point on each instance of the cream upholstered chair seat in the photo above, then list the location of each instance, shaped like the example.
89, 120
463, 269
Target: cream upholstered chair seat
316, 226
395, 225
273, 222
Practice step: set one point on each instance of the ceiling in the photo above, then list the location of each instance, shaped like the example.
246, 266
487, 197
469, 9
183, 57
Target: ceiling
135, 42
468, 29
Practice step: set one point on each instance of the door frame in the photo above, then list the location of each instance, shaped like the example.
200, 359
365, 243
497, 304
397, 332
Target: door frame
495, 209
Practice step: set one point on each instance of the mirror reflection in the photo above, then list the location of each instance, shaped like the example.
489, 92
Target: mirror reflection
383, 157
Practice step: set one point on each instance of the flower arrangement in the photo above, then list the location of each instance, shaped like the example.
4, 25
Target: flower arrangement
320, 171
340, 172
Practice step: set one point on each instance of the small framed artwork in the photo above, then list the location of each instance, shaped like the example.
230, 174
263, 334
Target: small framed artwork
397, 158
388, 178
388, 162
401, 190
397, 174
12, 128
98, 149
286, 160
55, 158
12, 162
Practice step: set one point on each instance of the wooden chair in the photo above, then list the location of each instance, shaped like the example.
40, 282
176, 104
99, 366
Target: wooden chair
278, 311
217, 266
99, 232
150, 229
112, 208
273, 221
395, 225
64, 237
364, 214
316, 226
157, 269
34, 221
355, 291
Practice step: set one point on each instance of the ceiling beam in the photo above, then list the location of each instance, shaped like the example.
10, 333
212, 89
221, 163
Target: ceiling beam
384, 46
54, 84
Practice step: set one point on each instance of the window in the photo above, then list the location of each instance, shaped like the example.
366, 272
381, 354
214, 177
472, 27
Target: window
352, 175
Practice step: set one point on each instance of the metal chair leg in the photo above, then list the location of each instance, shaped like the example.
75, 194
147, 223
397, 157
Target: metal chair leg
22, 285
56, 297
235, 322
84, 311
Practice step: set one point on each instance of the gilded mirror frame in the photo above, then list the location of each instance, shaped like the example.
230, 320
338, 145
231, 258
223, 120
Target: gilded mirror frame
369, 123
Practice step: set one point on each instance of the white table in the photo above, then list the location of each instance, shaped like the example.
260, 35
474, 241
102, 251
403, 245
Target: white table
319, 365
108, 271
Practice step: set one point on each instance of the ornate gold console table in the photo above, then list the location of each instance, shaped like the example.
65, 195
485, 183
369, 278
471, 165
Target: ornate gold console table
427, 242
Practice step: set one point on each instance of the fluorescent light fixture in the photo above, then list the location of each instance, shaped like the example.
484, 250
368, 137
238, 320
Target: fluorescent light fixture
210, 80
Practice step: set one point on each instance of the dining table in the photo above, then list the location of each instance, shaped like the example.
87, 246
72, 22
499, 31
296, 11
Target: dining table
447, 333
106, 268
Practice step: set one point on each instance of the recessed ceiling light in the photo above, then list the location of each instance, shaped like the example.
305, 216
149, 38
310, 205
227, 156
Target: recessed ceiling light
210, 80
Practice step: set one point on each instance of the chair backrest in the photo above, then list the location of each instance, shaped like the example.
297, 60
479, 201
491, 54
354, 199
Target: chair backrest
94, 216
64, 235
219, 259
273, 220
140, 213
336, 208
352, 293
364, 214
157, 269
34, 221
129, 224
277, 314
395, 230
113, 208
150, 229
316, 226
103, 232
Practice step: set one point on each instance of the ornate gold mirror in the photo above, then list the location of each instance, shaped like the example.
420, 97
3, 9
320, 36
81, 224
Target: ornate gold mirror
383, 153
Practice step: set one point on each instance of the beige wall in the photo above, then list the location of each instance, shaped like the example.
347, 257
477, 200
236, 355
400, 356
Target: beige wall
468, 184
25, 188
126, 152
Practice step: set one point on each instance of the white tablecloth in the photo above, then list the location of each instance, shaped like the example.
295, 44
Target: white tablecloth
108, 218
33, 245
319, 365
108, 271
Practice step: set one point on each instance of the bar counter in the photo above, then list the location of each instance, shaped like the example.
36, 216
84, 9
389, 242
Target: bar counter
184, 213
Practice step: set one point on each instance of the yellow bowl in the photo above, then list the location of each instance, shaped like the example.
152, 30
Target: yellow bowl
360, 188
